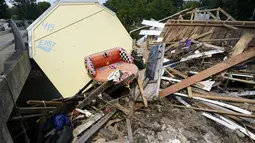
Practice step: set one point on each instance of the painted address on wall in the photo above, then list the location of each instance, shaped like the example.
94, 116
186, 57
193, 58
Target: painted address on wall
46, 45
48, 26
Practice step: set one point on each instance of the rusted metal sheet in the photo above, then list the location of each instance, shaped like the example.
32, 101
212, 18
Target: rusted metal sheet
209, 72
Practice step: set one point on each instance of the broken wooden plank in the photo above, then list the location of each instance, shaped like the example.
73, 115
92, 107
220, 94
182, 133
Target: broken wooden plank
96, 127
222, 104
216, 40
239, 80
189, 89
192, 38
223, 98
215, 111
94, 93
230, 26
44, 103
242, 44
81, 128
183, 75
208, 72
140, 85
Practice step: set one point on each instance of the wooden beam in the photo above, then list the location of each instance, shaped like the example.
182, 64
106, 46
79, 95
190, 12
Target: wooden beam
223, 98
216, 40
94, 93
81, 128
91, 131
226, 14
207, 24
242, 43
183, 75
214, 17
214, 111
209, 72
194, 38
218, 13
229, 26
140, 85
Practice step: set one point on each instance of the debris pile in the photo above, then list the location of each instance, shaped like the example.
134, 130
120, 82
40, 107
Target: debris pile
190, 65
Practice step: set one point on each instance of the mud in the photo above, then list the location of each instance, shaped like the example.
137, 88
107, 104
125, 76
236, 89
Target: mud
180, 126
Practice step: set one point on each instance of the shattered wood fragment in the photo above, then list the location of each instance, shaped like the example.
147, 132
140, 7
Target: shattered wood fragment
239, 80
215, 111
125, 111
94, 93
208, 72
81, 128
190, 91
42, 102
229, 26
96, 127
242, 43
140, 85
232, 99
216, 40
129, 130
217, 103
183, 75
192, 38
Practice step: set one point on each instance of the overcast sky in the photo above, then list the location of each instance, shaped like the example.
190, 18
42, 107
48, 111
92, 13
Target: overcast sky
52, 1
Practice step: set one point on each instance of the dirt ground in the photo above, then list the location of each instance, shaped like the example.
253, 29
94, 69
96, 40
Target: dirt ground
180, 126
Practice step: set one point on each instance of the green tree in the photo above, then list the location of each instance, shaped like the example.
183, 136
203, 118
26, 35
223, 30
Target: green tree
158, 9
4, 13
191, 4
29, 9
42, 6
239, 9
128, 11
132, 12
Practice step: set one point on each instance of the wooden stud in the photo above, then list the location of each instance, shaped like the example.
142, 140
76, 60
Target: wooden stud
208, 72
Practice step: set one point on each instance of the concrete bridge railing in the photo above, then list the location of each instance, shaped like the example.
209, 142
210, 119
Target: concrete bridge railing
14, 70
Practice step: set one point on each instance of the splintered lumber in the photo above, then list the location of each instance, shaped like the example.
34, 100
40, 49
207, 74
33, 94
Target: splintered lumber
44, 103
242, 43
140, 85
239, 80
215, 111
222, 104
208, 72
131, 110
137, 92
81, 128
94, 93
229, 26
192, 38
216, 40
34, 109
124, 110
223, 98
96, 127
183, 75
189, 89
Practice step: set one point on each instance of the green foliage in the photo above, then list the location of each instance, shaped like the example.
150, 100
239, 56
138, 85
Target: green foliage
4, 12
132, 12
191, 4
24, 9
158, 9
128, 11
239, 9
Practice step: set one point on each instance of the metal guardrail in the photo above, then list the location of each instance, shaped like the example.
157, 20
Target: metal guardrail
15, 30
